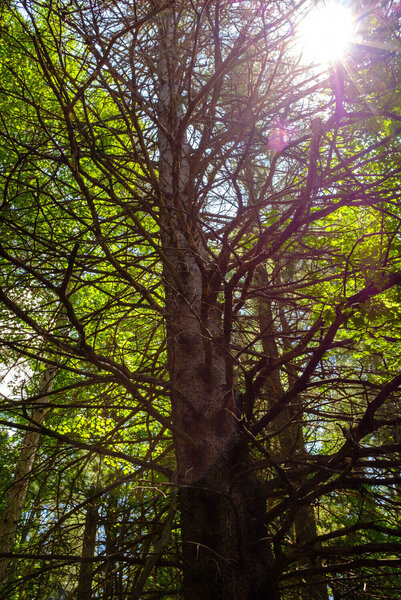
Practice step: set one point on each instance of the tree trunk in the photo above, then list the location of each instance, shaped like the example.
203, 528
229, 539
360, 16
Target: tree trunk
84, 590
225, 551
225, 555
20, 485
288, 428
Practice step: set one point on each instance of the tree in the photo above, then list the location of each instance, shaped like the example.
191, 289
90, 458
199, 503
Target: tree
12, 511
223, 245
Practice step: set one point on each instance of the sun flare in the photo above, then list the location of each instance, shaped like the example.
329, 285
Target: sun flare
326, 32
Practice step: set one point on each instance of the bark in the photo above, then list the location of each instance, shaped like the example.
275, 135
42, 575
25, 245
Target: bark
225, 551
84, 590
288, 429
23, 470
225, 554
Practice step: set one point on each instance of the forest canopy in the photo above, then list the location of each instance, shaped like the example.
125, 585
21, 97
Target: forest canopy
200, 300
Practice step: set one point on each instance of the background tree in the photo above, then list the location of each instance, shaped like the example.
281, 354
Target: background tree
224, 248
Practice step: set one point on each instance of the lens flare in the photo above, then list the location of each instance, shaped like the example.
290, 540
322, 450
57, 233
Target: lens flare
326, 32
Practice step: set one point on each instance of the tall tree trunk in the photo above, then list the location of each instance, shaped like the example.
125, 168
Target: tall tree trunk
20, 485
288, 428
225, 555
84, 590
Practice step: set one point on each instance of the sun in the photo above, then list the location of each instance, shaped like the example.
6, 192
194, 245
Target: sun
325, 33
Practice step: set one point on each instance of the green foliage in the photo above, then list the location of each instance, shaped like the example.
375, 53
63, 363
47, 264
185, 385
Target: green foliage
304, 280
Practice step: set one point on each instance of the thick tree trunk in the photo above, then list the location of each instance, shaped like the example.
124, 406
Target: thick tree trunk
225, 551
20, 485
225, 555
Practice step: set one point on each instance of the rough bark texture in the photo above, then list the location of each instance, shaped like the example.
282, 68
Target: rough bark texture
224, 550
202, 405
